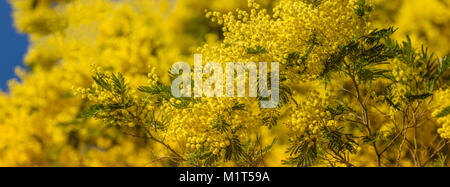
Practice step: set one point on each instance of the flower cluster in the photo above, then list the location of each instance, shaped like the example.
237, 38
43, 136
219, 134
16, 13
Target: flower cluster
211, 124
441, 113
310, 116
402, 75
299, 34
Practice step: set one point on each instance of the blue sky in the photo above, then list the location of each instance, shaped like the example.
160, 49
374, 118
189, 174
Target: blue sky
13, 46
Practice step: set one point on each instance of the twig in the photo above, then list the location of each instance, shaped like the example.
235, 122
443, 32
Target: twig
435, 153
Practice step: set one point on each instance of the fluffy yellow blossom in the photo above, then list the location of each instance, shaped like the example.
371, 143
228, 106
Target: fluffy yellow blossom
310, 117
441, 113
298, 34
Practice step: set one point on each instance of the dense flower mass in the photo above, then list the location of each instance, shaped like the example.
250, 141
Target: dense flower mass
97, 89
299, 34
309, 117
440, 113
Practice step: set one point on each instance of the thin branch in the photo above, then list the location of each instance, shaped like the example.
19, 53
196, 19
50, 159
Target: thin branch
435, 153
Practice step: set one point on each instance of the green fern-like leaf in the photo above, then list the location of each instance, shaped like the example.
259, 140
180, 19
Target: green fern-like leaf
444, 112
256, 50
